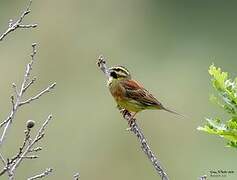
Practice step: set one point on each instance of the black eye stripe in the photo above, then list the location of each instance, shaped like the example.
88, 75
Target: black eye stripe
119, 70
114, 74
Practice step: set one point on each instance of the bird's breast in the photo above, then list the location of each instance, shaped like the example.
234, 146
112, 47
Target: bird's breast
116, 89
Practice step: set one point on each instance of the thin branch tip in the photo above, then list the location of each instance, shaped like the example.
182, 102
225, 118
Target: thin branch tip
34, 45
101, 61
42, 175
14, 85
54, 84
76, 176
12, 26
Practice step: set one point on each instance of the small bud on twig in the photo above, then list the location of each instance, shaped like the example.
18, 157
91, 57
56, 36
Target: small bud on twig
30, 124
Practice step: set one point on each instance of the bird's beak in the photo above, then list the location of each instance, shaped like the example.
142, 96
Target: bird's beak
109, 71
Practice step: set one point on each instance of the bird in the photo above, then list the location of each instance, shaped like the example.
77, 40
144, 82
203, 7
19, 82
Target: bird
129, 94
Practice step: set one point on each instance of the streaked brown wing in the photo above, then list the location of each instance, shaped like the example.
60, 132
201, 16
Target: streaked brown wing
131, 84
135, 91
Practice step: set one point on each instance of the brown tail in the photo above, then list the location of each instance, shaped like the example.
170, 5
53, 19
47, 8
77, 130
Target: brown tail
173, 112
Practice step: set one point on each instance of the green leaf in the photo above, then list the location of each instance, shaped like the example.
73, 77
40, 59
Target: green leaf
232, 144
219, 77
227, 91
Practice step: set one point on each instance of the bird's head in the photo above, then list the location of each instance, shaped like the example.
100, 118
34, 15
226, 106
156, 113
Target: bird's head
119, 72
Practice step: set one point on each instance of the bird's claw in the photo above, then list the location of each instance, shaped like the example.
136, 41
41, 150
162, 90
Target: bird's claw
131, 122
124, 112
127, 115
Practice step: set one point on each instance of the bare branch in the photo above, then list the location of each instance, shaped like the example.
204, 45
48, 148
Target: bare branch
19, 154
19, 94
30, 157
39, 176
46, 90
29, 147
29, 84
11, 161
24, 86
3, 160
204, 177
15, 90
35, 149
102, 65
18, 24
25, 149
27, 26
137, 130
144, 145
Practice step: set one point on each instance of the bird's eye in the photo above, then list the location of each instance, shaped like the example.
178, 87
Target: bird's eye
113, 74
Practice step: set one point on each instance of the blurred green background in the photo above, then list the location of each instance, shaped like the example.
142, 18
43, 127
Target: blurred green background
167, 45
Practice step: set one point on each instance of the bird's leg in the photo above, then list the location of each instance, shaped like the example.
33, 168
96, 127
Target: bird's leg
131, 121
128, 116
124, 112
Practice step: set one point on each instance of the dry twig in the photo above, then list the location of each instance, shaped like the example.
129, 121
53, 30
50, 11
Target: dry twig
204, 177
26, 83
17, 101
43, 174
39, 136
137, 130
76, 176
12, 26
25, 149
